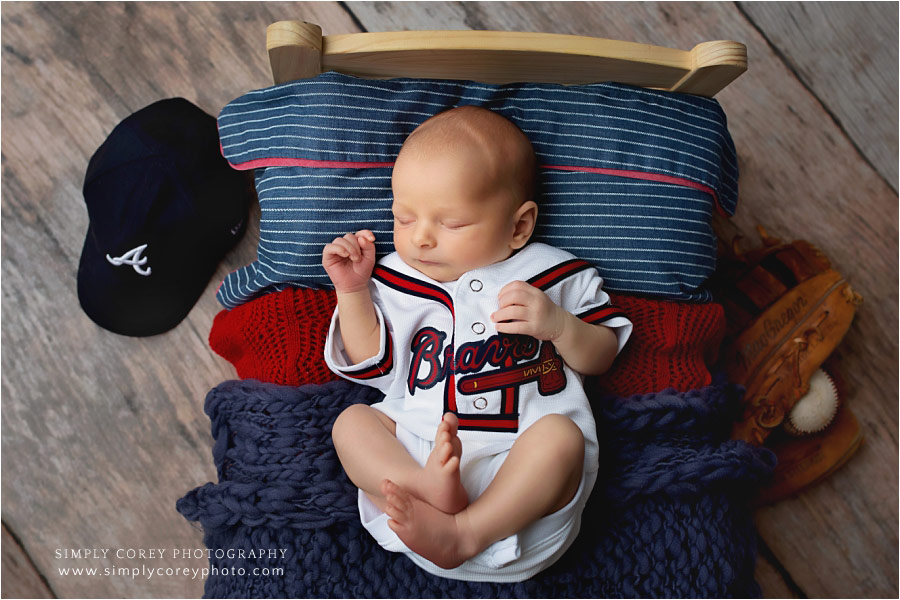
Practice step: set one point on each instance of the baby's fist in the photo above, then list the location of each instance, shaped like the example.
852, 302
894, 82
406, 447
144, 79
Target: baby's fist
349, 260
524, 309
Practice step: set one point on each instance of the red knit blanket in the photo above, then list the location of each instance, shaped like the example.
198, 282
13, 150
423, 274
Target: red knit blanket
280, 338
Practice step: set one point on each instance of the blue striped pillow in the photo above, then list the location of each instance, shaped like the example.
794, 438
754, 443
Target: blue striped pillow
628, 177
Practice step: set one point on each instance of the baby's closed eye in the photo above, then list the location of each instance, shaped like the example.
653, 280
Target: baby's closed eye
455, 224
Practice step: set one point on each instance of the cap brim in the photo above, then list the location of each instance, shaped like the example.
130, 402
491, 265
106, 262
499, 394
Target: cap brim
123, 301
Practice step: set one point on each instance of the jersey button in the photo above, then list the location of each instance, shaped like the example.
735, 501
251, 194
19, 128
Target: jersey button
480, 403
476, 285
478, 328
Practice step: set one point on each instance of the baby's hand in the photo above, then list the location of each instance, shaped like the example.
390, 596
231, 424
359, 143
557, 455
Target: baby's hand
526, 309
349, 261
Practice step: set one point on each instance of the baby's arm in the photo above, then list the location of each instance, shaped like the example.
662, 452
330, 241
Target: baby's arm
589, 349
586, 348
349, 261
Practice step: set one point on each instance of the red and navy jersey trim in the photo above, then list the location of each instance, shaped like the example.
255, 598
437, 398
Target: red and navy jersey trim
502, 422
550, 277
382, 367
411, 285
507, 421
601, 314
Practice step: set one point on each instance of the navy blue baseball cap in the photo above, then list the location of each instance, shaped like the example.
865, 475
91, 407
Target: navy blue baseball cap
164, 208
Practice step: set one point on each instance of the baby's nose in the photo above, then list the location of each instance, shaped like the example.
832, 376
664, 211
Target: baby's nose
423, 237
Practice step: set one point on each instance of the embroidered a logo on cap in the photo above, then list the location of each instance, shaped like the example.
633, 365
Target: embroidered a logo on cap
132, 257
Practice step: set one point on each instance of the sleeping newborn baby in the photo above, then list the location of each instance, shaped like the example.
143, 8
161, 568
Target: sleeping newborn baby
480, 458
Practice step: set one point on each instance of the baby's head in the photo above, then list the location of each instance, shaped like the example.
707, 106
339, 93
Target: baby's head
463, 185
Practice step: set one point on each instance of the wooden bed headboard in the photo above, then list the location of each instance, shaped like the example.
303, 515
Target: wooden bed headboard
299, 50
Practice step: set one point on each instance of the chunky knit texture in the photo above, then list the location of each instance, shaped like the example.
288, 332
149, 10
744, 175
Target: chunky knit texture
280, 338
670, 347
277, 337
666, 518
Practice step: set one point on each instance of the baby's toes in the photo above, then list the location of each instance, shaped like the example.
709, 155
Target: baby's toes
451, 422
398, 527
443, 434
441, 439
394, 494
397, 503
451, 466
394, 512
457, 447
443, 452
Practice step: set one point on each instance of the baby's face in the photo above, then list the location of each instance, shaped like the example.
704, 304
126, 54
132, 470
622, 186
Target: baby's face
450, 216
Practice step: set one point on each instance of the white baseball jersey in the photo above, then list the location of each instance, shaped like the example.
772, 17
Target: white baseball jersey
441, 353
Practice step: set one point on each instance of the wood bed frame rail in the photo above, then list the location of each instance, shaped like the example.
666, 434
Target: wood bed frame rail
299, 50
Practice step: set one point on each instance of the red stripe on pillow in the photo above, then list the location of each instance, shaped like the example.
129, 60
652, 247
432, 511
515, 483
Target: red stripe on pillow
339, 164
646, 177
303, 162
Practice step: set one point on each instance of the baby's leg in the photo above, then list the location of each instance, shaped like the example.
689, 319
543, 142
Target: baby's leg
540, 476
367, 446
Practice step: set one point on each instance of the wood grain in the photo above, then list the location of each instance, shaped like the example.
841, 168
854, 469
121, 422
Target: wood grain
846, 54
20, 579
500, 57
802, 177
772, 582
103, 433
295, 50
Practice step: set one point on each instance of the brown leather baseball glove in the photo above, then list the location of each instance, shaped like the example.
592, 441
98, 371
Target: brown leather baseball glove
786, 310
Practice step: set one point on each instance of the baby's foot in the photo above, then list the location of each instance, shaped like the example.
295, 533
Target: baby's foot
425, 530
439, 484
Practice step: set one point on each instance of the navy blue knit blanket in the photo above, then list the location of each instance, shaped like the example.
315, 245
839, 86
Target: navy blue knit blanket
668, 516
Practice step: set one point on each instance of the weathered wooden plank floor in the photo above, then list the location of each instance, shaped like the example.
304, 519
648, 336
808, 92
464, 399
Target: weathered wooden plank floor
101, 433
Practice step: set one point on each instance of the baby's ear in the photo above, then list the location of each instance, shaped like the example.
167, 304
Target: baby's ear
525, 220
